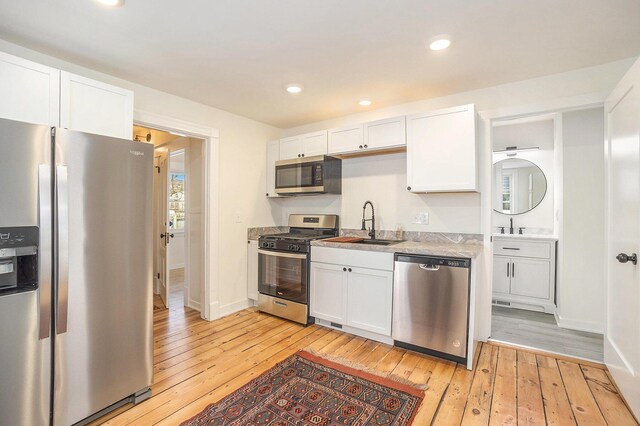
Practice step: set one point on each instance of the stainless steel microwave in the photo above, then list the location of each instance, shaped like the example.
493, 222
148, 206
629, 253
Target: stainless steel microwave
320, 174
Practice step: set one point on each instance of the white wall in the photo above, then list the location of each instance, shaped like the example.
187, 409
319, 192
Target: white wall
587, 86
581, 292
540, 220
241, 174
382, 178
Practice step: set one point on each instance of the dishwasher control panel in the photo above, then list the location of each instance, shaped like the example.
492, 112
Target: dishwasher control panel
435, 261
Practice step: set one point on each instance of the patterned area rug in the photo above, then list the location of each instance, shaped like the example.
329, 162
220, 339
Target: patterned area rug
306, 390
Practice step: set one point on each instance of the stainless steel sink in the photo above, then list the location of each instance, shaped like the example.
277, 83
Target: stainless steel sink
379, 242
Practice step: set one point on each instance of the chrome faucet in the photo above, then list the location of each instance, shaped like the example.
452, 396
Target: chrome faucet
510, 225
372, 230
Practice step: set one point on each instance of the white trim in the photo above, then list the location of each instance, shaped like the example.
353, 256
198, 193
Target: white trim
487, 117
210, 298
588, 326
194, 305
235, 307
532, 348
178, 266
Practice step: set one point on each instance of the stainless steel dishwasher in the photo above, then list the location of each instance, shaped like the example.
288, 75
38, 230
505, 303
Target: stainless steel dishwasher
431, 305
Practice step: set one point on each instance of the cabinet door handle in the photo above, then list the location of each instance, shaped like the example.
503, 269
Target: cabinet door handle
513, 270
349, 269
344, 269
508, 269
510, 248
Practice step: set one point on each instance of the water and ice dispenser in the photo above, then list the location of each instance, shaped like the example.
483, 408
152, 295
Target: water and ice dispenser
18, 258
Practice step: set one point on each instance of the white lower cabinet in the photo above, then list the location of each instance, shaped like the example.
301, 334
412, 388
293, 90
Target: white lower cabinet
252, 270
369, 296
328, 294
353, 293
524, 273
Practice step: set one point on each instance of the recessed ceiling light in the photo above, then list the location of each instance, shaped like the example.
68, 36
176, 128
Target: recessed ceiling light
440, 44
111, 2
365, 102
293, 88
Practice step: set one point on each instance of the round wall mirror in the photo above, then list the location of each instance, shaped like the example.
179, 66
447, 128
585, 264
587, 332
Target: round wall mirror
519, 186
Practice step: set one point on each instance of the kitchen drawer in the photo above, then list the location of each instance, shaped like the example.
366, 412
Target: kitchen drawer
538, 250
354, 258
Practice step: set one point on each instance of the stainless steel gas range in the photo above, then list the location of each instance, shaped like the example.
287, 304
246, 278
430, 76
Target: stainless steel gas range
283, 266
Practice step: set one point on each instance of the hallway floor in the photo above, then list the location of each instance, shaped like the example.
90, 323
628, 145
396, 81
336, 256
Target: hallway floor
540, 331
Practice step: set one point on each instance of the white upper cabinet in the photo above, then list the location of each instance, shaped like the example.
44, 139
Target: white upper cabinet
29, 92
383, 134
290, 147
373, 136
346, 139
442, 151
273, 155
94, 107
314, 144
307, 145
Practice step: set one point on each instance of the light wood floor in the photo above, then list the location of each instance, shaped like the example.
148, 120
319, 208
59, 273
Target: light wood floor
199, 362
540, 331
176, 291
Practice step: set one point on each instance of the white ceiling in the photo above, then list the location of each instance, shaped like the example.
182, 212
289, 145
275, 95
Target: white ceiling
238, 54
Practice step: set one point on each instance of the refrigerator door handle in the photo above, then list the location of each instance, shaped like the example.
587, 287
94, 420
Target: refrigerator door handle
62, 215
44, 253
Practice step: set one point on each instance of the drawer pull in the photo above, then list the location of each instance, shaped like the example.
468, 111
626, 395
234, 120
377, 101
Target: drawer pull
284, 305
510, 248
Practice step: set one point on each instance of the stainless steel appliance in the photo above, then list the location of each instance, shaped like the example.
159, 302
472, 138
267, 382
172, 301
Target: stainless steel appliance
75, 274
283, 266
319, 174
431, 305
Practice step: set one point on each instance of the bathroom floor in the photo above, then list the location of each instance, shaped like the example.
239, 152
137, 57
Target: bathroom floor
540, 331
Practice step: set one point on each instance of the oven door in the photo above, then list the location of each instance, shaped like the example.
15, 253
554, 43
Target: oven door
300, 176
284, 275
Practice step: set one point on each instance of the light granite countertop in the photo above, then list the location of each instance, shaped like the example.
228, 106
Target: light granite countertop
471, 251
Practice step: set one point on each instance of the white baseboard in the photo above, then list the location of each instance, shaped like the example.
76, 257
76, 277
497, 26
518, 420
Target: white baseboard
234, 307
194, 305
214, 311
588, 326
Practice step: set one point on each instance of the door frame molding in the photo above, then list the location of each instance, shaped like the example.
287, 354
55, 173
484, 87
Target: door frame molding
210, 306
485, 158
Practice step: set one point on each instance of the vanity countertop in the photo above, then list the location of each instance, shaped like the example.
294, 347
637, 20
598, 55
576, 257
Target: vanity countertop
524, 237
471, 251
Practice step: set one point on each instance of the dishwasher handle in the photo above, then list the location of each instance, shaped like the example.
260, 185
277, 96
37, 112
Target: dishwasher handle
426, 267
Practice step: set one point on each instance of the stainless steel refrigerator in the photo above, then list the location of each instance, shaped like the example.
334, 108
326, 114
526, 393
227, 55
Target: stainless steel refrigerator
76, 307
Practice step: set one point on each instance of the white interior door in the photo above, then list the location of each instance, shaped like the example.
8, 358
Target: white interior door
161, 222
622, 334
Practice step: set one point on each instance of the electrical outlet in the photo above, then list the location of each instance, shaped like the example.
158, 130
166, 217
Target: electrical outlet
421, 218
237, 218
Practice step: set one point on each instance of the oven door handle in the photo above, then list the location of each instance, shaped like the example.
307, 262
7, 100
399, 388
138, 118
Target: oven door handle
282, 254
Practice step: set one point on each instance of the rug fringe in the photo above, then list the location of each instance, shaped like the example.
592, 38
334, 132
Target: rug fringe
369, 370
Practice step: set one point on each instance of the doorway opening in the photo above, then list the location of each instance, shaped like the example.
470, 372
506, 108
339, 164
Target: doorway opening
547, 232
178, 219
